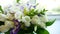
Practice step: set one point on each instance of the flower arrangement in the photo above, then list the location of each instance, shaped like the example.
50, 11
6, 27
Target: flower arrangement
23, 19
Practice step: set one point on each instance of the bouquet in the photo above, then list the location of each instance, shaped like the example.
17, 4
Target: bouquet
24, 19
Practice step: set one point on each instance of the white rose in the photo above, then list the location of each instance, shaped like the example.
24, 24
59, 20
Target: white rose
18, 15
2, 17
26, 20
4, 28
44, 18
10, 16
9, 23
43, 25
27, 24
36, 20
12, 9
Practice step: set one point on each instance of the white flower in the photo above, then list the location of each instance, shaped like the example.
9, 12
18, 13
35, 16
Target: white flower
26, 20
4, 28
8, 13
2, 17
10, 16
43, 25
19, 7
36, 20
12, 9
44, 18
27, 24
18, 15
9, 23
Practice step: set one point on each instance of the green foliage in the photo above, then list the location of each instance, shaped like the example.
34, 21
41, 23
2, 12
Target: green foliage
21, 31
1, 9
8, 32
1, 23
24, 32
33, 12
17, 1
29, 30
43, 11
41, 31
50, 22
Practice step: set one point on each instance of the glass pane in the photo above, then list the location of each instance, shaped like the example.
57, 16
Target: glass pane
52, 5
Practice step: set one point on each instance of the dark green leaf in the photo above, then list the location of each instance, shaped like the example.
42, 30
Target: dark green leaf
24, 32
41, 31
18, 1
21, 31
29, 30
43, 11
50, 22
1, 23
1, 9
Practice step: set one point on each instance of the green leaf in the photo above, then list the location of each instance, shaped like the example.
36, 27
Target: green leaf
21, 32
43, 11
32, 12
29, 30
1, 9
18, 1
41, 31
1, 23
50, 22
24, 32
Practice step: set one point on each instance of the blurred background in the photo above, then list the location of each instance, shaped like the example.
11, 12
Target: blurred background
52, 5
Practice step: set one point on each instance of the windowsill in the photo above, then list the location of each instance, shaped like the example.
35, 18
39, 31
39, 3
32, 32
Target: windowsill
54, 16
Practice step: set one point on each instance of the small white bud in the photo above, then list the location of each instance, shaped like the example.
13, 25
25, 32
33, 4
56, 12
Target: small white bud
18, 15
44, 18
26, 20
